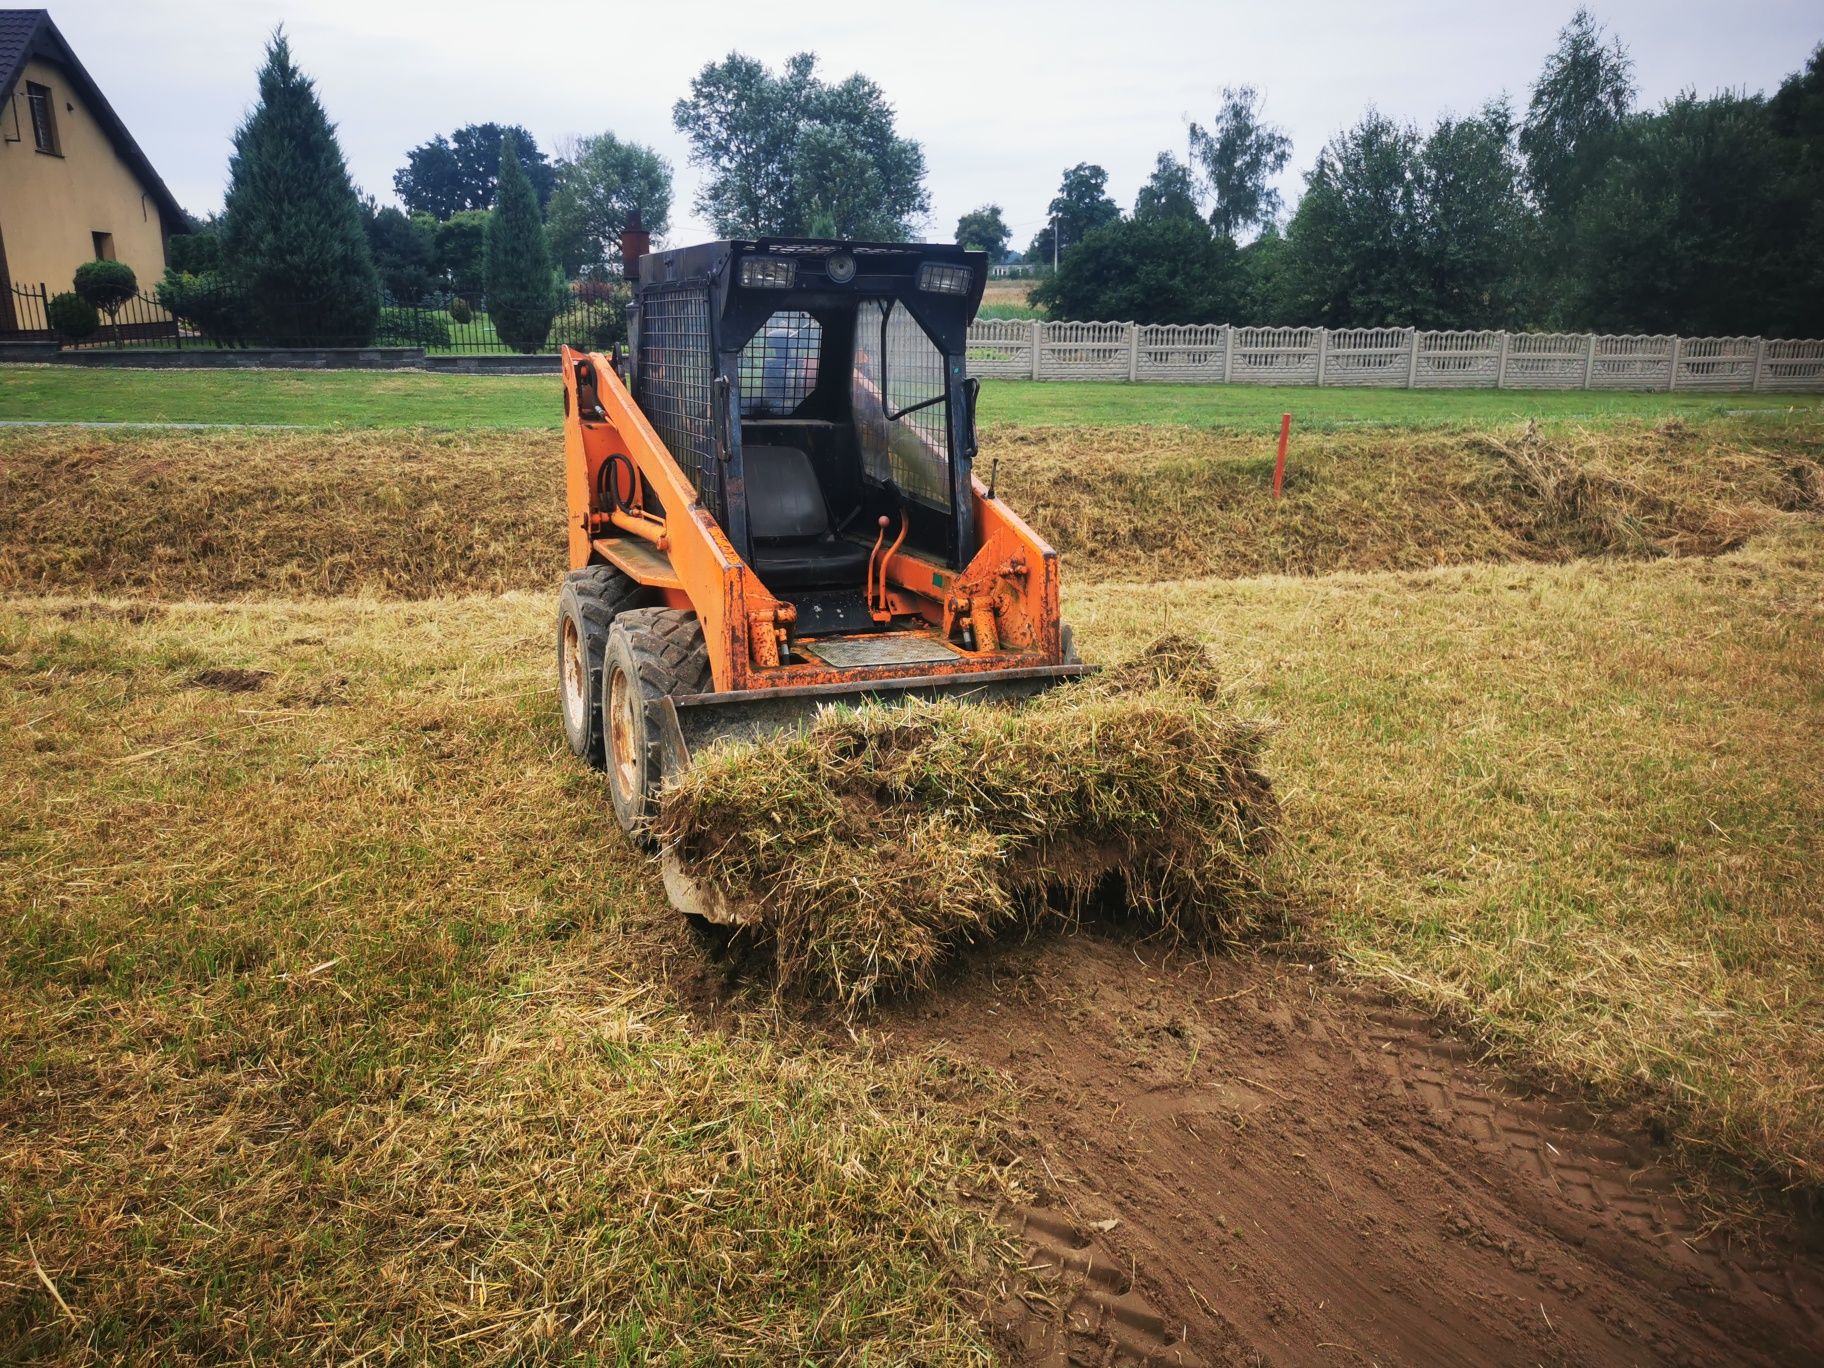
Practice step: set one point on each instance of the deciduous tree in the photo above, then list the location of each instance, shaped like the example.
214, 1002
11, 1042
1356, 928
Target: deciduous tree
1239, 154
447, 175
787, 152
985, 230
1169, 192
1081, 205
598, 186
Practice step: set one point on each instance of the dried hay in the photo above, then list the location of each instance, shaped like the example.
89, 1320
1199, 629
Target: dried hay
881, 839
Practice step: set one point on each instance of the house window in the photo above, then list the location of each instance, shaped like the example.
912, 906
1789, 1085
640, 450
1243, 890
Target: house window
104, 246
44, 118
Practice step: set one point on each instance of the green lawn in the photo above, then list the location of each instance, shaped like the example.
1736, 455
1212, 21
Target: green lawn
415, 399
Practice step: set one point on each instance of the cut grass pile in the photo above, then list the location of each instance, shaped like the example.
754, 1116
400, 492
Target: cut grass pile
1142, 505
336, 1020
883, 839
416, 514
293, 514
1576, 807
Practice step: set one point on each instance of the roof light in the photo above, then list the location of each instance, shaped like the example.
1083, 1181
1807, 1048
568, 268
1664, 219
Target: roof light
841, 268
768, 273
940, 279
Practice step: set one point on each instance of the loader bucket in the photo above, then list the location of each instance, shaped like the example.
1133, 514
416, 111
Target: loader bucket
689, 723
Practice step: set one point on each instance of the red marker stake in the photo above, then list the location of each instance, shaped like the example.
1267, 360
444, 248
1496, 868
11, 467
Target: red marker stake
1279, 466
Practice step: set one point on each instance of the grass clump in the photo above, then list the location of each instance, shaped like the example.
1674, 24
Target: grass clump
882, 839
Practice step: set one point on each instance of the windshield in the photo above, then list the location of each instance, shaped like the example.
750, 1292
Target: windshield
902, 421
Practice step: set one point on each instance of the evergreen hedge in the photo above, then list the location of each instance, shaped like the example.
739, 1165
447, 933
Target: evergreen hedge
522, 286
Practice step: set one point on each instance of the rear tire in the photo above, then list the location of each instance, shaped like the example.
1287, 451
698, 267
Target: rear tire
652, 653
586, 608
1067, 645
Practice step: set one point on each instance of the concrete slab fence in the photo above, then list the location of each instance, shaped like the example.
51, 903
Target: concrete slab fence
1389, 358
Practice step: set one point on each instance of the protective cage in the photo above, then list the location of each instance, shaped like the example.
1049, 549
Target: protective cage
674, 372
854, 352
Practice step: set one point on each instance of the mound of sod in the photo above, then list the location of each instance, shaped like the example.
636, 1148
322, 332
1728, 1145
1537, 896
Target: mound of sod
880, 840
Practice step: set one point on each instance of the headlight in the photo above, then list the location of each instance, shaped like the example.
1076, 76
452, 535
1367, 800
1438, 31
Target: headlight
944, 279
768, 273
841, 268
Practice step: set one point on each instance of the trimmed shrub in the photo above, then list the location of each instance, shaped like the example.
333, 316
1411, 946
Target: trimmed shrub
412, 328
209, 303
460, 312
522, 286
106, 284
71, 316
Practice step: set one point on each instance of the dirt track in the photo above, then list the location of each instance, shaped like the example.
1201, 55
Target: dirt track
1298, 1174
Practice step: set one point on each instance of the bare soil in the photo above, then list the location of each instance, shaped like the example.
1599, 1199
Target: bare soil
1240, 1161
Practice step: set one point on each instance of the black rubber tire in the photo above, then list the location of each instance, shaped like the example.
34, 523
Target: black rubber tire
1067, 642
655, 653
587, 606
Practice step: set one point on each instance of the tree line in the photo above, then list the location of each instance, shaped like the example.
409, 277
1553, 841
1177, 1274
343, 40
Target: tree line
298, 251
1584, 212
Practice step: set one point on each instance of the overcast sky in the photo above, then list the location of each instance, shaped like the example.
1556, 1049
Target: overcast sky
1002, 95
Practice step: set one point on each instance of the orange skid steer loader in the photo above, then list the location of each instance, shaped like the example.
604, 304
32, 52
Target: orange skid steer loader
772, 507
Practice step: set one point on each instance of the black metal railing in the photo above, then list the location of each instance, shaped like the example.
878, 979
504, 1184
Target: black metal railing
191, 312
22, 314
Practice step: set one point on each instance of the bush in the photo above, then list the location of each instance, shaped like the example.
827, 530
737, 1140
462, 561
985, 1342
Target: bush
412, 328
460, 312
71, 316
591, 290
208, 302
106, 284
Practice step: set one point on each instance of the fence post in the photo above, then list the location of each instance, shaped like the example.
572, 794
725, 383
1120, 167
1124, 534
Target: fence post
1323, 347
1678, 350
1412, 357
1036, 325
1133, 352
1760, 354
1501, 363
1589, 361
1228, 354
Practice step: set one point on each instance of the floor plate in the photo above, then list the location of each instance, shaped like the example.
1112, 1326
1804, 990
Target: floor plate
849, 653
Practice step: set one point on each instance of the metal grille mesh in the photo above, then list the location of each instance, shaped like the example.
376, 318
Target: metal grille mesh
779, 365
912, 451
675, 369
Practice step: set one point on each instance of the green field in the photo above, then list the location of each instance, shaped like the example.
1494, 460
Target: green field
416, 399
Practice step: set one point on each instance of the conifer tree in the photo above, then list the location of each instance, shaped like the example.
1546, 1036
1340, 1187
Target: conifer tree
522, 289
294, 242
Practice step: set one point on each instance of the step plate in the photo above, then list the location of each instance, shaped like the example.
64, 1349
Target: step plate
850, 652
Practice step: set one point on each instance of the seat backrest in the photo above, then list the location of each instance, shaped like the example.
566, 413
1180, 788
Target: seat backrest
784, 500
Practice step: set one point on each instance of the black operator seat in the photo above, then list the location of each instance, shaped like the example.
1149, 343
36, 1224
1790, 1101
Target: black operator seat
795, 546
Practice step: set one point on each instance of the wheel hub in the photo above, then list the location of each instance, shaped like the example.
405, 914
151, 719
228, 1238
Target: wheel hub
623, 735
575, 676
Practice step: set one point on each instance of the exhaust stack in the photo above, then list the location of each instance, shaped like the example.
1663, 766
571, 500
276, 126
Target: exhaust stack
635, 243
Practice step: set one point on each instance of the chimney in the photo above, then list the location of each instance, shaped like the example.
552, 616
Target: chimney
635, 243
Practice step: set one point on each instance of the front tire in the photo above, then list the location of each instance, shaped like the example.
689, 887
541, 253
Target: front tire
652, 653
587, 606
